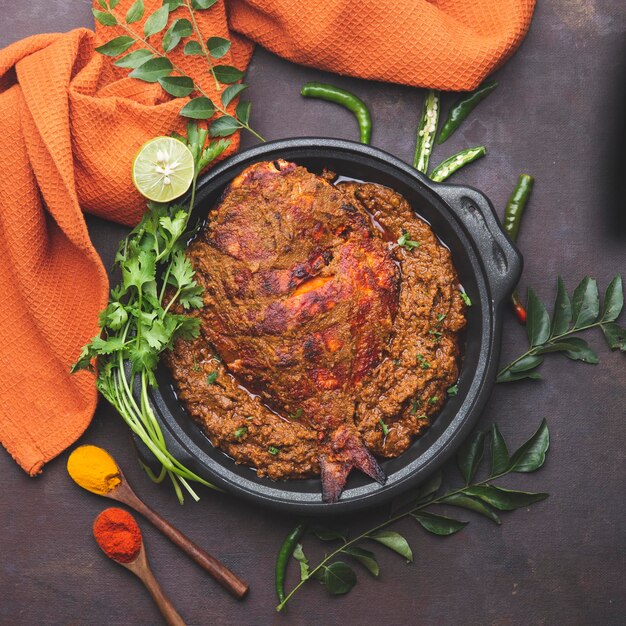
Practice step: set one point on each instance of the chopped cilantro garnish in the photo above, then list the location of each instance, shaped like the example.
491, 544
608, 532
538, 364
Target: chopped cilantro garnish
452, 391
196, 367
240, 432
384, 427
406, 242
441, 317
273, 450
297, 415
424, 364
415, 406
433, 400
466, 298
211, 378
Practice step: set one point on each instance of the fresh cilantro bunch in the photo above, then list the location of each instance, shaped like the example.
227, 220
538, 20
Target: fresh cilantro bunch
141, 321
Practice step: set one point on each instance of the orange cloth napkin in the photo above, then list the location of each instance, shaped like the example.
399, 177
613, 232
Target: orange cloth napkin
70, 124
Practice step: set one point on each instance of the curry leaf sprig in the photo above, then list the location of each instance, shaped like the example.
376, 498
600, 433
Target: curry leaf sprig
478, 496
570, 316
141, 321
151, 62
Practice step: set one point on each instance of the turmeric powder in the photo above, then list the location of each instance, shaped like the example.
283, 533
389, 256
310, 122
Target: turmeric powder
94, 469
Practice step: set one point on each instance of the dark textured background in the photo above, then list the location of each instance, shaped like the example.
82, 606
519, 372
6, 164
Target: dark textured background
558, 114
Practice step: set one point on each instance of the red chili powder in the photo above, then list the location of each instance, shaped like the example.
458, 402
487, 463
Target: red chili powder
118, 534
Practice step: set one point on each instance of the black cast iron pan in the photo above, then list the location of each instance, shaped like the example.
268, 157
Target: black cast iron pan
489, 267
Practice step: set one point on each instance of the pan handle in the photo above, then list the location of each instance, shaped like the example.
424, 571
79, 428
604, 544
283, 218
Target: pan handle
502, 260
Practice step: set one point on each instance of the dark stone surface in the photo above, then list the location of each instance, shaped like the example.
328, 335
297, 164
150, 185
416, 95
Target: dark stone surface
557, 114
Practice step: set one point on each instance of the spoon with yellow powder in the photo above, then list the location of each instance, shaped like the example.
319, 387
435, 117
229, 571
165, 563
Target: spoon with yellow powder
95, 470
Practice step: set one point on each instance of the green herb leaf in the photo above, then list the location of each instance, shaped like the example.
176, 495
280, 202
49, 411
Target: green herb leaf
240, 432
562, 315
134, 59
471, 504
211, 152
179, 29
192, 48
113, 4
585, 303
324, 533
509, 377
438, 524
200, 5
339, 578
466, 298
499, 452
470, 455
243, 112
405, 241
615, 336
613, 300
227, 74
365, 557
230, 93
384, 427
116, 46
135, 13
273, 450
394, 541
152, 70
106, 19
103, 4
178, 86
505, 499
532, 454
537, 320
172, 5
157, 21
452, 391
198, 109
298, 554
224, 126
577, 349
218, 46
211, 378
527, 363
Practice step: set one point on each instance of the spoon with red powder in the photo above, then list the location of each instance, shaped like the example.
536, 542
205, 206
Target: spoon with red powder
119, 537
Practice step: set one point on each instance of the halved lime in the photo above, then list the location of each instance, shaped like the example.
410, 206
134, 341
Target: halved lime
163, 169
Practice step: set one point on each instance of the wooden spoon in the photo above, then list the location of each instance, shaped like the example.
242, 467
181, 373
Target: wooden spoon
142, 570
232, 583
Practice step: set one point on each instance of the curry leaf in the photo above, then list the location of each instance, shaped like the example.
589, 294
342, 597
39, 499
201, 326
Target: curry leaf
152, 70
116, 46
180, 28
365, 557
531, 455
218, 46
157, 21
537, 320
394, 541
471, 504
615, 336
172, 5
135, 13
134, 59
510, 377
470, 455
328, 534
339, 578
224, 126
562, 314
579, 350
106, 19
243, 112
613, 300
227, 74
585, 303
438, 524
202, 4
198, 109
505, 499
192, 48
499, 452
230, 93
527, 363
179, 86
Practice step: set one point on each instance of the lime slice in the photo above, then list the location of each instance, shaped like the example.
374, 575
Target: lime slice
163, 169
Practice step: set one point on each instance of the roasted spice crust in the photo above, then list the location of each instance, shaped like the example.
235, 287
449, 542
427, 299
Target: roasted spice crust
404, 391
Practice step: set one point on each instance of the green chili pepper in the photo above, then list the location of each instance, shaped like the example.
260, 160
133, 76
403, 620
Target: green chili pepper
446, 168
516, 205
426, 131
512, 220
463, 107
285, 552
346, 99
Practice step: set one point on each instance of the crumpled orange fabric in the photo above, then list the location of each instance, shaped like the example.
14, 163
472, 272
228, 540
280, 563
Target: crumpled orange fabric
71, 123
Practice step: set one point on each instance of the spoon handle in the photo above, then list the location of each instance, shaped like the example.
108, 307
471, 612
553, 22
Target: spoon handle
171, 615
217, 570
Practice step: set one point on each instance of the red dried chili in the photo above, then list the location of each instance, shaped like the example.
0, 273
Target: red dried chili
118, 535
